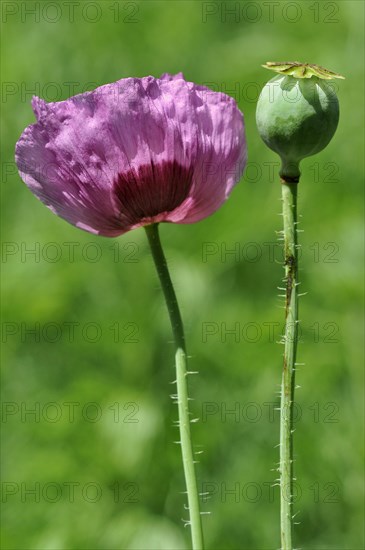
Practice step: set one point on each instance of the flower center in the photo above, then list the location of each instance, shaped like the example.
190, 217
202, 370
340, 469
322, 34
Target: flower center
152, 189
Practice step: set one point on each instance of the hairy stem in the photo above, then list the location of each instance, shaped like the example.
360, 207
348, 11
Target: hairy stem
182, 387
289, 197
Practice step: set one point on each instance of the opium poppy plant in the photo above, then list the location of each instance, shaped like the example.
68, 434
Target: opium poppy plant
136, 153
297, 115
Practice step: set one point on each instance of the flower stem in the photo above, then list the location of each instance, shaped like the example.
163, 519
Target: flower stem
289, 197
182, 387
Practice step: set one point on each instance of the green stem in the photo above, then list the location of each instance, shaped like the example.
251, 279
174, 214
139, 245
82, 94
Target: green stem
182, 387
289, 197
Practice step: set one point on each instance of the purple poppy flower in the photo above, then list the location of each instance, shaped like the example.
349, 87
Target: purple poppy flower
135, 152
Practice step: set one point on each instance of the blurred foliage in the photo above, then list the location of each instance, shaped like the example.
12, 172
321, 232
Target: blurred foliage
105, 481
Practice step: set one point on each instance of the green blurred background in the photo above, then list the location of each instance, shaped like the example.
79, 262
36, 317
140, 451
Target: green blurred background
98, 451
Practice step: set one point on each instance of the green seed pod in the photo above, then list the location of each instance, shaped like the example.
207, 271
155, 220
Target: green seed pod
297, 113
